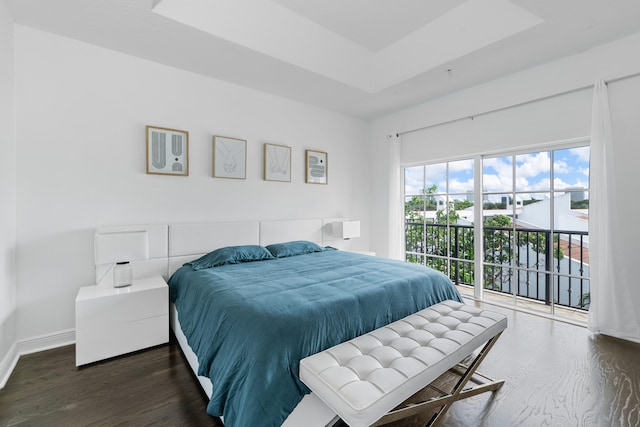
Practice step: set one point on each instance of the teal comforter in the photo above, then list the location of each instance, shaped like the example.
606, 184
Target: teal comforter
251, 323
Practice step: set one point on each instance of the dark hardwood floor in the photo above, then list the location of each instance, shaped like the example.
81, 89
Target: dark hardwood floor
148, 388
557, 374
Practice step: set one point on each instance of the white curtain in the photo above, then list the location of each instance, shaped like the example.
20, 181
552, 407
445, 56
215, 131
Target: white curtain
396, 205
612, 311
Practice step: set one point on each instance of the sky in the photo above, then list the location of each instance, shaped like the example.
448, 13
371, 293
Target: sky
533, 173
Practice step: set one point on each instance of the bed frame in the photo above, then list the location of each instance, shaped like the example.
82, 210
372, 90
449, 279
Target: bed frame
172, 245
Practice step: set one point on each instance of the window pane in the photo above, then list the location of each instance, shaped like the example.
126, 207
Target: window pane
568, 218
498, 204
462, 272
414, 237
531, 198
535, 211
413, 207
436, 178
533, 171
415, 259
531, 284
437, 264
574, 292
571, 248
497, 239
497, 174
413, 180
571, 168
572, 211
436, 238
498, 279
580, 202
439, 218
461, 177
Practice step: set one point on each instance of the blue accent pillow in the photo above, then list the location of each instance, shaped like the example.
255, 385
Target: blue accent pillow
231, 255
297, 247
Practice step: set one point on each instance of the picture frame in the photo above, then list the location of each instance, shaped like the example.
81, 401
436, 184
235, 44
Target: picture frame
167, 151
277, 163
316, 167
229, 157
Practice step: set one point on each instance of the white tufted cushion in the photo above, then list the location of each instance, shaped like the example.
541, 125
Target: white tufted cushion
366, 377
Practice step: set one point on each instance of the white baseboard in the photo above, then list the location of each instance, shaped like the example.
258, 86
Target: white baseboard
33, 345
8, 364
46, 342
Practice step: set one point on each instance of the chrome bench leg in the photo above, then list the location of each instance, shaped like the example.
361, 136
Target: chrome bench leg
458, 392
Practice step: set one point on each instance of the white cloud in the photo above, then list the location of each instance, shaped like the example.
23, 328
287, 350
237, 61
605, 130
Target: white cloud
461, 166
413, 180
436, 174
522, 184
542, 185
560, 166
582, 153
532, 165
457, 186
499, 164
585, 171
502, 179
495, 183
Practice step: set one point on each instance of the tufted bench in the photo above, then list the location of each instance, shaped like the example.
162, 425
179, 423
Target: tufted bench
364, 379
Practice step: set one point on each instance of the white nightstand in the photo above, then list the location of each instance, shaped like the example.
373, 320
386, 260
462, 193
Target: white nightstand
113, 321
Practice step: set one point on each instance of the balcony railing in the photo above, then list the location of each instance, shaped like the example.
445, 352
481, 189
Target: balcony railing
532, 263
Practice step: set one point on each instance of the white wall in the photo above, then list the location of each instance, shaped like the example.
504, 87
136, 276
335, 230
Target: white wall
554, 118
81, 115
7, 194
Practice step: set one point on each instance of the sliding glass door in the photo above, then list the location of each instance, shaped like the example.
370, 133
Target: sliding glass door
530, 213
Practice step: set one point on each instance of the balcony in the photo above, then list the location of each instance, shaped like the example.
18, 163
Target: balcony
534, 264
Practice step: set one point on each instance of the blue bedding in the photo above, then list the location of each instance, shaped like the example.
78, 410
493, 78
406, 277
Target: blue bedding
251, 323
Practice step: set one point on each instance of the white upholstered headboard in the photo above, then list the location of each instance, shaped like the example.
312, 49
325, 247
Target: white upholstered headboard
172, 245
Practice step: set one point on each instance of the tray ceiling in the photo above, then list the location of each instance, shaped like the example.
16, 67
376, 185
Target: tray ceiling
364, 58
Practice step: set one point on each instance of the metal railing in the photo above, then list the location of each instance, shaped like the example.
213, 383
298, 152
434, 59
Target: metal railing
532, 263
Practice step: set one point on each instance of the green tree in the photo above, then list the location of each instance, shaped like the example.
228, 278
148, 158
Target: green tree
448, 216
415, 204
430, 200
462, 204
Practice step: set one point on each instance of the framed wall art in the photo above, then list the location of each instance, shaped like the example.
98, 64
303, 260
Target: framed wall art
277, 163
167, 151
229, 157
316, 167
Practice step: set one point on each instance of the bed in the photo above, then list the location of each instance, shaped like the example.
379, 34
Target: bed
244, 325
